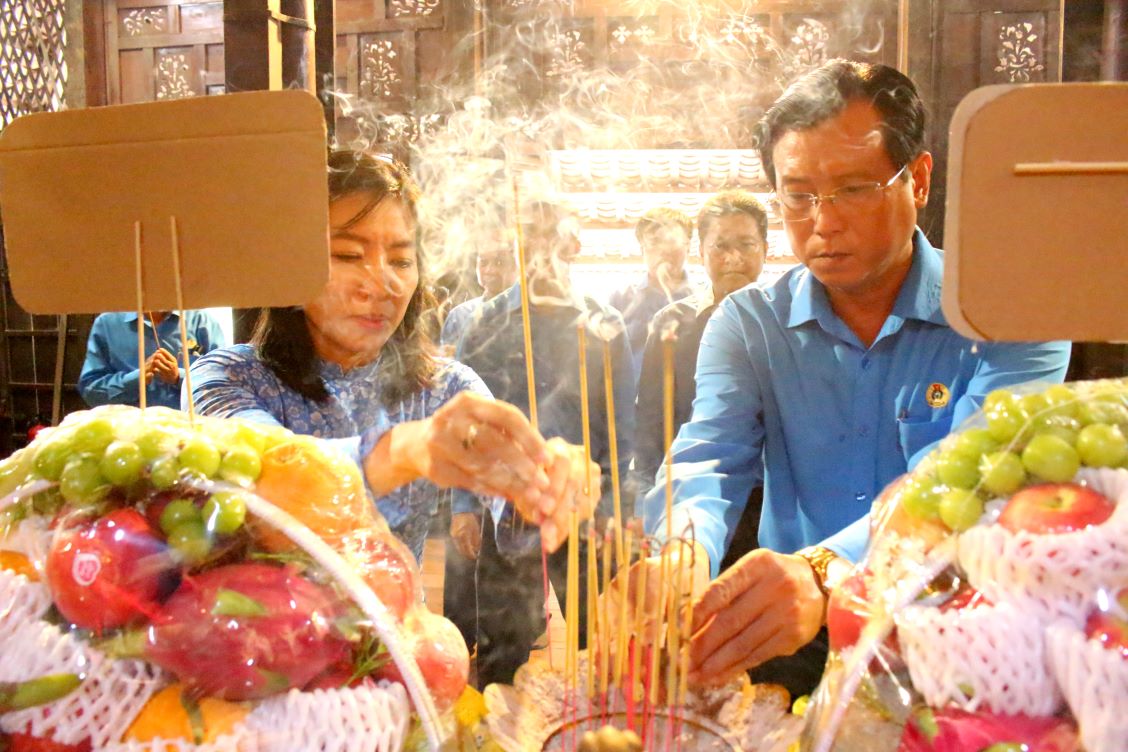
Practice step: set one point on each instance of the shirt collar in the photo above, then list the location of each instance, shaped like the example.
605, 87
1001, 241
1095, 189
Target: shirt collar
333, 372
513, 300
919, 297
132, 316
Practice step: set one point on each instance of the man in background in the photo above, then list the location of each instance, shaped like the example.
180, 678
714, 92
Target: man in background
111, 374
510, 589
664, 235
496, 268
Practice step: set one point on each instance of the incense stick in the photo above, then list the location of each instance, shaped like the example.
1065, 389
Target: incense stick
530, 375
153, 323
668, 340
592, 613
605, 615
622, 651
613, 442
183, 325
140, 313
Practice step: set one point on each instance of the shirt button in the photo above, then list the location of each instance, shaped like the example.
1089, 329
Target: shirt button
863, 431
841, 438
860, 496
865, 362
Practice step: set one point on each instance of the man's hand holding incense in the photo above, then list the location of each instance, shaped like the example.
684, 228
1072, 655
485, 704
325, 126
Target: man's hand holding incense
766, 605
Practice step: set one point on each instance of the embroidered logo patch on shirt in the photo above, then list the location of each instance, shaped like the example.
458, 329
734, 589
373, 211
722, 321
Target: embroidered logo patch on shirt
938, 395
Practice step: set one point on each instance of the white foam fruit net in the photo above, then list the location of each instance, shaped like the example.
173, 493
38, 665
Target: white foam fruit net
111, 695
1095, 683
21, 601
367, 718
989, 656
1053, 576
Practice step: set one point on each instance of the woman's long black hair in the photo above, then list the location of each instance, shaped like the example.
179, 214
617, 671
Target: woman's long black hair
408, 360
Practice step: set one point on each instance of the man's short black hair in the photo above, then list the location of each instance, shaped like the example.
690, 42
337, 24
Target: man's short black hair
732, 201
824, 92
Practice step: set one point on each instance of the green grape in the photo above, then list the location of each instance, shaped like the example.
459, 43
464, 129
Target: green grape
164, 473
1035, 404
225, 512
240, 464
1051, 458
1103, 411
190, 540
960, 509
51, 458
92, 436
974, 443
154, 444
921, 498
200, 455
177, 512
1062, 399
122, 462
998, 396
1003, 472
1064, 427
251, 436
958, 470
1005, 421
1102, 445
81, 481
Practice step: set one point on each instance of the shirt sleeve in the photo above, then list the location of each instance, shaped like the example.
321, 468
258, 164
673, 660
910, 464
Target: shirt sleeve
850, 542
716, 454
1005, 365
100, 383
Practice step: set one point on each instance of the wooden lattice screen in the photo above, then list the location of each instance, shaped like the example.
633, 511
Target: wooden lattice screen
32, 69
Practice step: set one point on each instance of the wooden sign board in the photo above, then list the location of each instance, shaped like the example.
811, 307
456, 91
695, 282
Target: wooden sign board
1036, 231
243, 174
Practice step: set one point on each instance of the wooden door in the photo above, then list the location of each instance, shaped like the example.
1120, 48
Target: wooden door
162, 49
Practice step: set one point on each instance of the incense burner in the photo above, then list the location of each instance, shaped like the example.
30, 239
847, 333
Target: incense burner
540, 712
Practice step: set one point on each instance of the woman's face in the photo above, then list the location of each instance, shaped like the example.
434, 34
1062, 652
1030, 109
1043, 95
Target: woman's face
372, 275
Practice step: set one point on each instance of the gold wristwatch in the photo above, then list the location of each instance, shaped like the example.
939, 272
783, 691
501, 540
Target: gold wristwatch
819, 558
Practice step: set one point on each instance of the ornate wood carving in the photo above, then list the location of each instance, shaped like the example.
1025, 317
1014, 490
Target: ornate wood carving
33, 73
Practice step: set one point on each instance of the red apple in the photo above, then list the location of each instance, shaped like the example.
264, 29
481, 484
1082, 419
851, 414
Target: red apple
108, 573
847, 612
441, 653
1055, 508
387, 565
1110, 628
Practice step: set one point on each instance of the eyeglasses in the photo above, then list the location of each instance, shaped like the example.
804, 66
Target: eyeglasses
857, 197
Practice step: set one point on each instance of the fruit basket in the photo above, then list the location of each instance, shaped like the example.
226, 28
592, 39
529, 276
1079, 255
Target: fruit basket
991, 609
169, 583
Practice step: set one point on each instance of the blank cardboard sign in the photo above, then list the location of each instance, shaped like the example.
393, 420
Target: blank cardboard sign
243, 174
1036, 229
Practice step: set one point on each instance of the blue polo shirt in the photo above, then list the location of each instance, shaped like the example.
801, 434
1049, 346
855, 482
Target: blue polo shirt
781, 378
110, 374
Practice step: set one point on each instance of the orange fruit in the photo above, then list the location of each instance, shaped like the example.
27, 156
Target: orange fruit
164, 717
324, 493
18, 563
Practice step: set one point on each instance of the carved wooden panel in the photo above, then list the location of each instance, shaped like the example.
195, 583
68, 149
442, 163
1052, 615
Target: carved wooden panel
975, 43
163, 49
32, 70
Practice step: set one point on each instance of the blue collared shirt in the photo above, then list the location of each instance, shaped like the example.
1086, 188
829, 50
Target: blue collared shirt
458, 319
494, 347
781, 378
110, 373
234, 382
639, 303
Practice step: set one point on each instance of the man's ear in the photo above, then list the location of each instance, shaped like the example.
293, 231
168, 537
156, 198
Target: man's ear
921, 171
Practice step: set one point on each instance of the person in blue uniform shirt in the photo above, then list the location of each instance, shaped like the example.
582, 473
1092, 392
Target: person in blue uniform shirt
511, 613
664, 236
110, 374
496, 267
821, 386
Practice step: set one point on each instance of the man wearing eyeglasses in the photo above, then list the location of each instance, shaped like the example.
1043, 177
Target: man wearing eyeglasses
823, 385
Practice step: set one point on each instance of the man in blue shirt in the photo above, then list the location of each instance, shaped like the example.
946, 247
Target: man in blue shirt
663, 235
497, 271
833, 381
110, 374
509, 566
